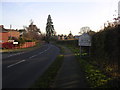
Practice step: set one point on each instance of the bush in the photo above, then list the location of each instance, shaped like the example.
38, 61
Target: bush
68, 42
7, 45
21, 40
28, 40
105, 44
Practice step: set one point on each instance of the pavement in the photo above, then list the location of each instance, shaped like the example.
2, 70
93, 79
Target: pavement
70, 75
22, 70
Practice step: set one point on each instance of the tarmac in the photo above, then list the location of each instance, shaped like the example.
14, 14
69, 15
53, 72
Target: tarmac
70, 74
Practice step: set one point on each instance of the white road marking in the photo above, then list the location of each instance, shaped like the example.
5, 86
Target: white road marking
16, 54
32, 56
40, 52
15, 63
29, 57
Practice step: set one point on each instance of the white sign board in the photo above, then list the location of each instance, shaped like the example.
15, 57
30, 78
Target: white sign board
15, 42
84, 40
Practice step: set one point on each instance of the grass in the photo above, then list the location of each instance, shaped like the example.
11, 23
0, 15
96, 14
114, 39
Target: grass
94, 76
48, 78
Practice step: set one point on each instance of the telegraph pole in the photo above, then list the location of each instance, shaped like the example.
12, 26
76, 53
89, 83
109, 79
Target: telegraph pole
10, 31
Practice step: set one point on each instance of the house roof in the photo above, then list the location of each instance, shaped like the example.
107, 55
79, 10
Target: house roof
2, 29
11, 30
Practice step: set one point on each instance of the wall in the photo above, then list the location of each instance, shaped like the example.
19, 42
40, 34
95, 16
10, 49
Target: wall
4, 36
27, 44
14, 34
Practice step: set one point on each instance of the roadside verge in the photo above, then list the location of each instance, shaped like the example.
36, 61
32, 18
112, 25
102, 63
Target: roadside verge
47, 80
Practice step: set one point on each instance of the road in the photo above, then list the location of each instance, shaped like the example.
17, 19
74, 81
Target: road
21, 70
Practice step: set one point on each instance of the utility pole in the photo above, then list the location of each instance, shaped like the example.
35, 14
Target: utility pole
10, 31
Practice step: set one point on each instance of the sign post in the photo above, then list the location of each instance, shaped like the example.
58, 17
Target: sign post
84, 42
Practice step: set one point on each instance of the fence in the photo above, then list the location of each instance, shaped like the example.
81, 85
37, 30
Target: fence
10, 45
27, 44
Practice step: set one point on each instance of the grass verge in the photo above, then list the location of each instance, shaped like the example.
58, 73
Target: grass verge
48, 78
94, 76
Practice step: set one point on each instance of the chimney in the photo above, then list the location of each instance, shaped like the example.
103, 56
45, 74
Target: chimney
1, 26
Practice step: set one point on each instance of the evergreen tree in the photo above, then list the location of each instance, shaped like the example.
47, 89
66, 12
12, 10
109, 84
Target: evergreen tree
50, 27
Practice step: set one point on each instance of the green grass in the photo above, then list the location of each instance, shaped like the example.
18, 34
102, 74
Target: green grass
48, 78
94, 76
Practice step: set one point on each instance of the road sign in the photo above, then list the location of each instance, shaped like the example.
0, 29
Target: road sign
84, 40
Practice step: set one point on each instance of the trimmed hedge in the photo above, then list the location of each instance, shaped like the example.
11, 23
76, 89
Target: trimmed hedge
106, 44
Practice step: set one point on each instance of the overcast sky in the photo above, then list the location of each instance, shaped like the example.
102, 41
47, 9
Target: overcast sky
67, 15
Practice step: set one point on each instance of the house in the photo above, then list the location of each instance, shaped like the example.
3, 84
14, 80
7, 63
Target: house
13, 33
3, 34
22, 31
33, 28
77, 37
70, 36
61, 37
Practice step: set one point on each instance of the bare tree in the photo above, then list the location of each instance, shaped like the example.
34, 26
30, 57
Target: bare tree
85, 29
32, 32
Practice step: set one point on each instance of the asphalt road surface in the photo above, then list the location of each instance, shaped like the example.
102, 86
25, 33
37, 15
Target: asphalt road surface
21, 70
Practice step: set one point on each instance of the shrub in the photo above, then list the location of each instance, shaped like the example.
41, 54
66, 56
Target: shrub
29, 40
7, 45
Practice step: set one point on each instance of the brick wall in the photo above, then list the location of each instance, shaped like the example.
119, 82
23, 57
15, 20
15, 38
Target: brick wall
27, 44
4, 37
14, 34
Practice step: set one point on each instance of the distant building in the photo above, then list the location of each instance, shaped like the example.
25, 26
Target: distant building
7, 33
3, 34
13, 33
70, 36
33, 28
22, 31
76, 36
58, 37
62, 37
